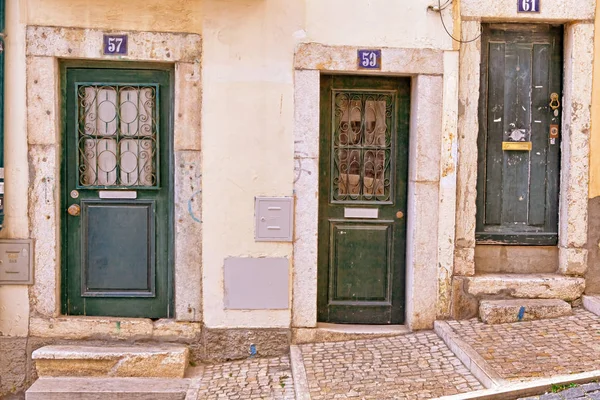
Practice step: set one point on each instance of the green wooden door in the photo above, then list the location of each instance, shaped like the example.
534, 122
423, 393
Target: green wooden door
520, 101
362, 189
116, 182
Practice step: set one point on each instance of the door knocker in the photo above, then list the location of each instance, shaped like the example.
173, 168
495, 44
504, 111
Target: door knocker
554, 103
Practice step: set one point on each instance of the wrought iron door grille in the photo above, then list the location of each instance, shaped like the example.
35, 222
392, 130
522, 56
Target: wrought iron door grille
362, 147
117, 136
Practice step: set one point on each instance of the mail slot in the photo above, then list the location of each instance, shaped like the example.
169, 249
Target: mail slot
516, 146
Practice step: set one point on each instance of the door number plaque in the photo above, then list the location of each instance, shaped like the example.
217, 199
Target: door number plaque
115, 45
528, 5
369, 59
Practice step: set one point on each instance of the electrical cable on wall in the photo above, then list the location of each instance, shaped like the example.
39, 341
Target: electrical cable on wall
441, 8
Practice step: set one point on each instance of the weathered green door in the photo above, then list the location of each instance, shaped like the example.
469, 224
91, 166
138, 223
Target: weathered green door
362, 189
519, 134
116, 182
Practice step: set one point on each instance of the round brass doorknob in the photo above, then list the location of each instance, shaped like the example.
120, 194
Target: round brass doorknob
74, 210
399, 214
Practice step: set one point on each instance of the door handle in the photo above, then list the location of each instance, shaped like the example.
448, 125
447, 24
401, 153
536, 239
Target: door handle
74, 210
399, 215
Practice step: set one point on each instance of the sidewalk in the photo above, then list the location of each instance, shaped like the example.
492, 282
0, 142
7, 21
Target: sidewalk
511, 360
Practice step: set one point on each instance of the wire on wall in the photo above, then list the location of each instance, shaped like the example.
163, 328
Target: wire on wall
441, 8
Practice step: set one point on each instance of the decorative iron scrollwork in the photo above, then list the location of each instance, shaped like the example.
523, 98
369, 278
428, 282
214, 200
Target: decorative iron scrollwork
117, 136
362, 146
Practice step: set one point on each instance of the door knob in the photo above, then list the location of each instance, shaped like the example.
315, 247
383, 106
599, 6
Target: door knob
74, 210
399, 215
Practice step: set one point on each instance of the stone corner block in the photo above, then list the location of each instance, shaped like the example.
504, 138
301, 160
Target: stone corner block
572, 261
464, 261
188, 97
42, 92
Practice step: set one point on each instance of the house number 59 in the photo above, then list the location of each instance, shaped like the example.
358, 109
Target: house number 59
528, 5
369, 59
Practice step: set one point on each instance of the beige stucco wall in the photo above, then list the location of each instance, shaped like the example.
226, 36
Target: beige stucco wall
595, 132
140, 15
247, 112
378, 23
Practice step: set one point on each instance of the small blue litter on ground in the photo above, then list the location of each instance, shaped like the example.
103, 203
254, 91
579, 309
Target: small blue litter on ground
521, 313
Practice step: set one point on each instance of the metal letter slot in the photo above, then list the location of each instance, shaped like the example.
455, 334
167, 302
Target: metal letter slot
117, 194
372, 213
516, 146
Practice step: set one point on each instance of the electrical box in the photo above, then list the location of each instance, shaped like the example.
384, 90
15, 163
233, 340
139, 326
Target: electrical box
16, 262
274, 219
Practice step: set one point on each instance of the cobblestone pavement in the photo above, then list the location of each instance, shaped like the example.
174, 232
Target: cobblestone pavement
534, 349
255, 378
413, 366
587, 391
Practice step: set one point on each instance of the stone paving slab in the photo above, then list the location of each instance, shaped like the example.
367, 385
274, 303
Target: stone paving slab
412, 366
533, 349
253, 378
588, 391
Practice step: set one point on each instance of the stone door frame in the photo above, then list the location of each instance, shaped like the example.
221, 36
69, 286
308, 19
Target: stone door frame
46, 46
578, 47
431, 174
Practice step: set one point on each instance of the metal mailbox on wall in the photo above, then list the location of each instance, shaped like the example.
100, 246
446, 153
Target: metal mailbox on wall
16, 262
273, 219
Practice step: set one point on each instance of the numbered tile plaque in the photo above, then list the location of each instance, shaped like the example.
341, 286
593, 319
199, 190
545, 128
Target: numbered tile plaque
115, 45
369, 59
528, 5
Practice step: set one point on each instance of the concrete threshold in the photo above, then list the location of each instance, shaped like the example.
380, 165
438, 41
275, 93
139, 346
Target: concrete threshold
325, 332
512, 391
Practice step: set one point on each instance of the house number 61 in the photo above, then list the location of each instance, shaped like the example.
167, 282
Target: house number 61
529, 5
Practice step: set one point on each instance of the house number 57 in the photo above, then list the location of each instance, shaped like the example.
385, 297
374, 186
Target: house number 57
528, 5
115, 44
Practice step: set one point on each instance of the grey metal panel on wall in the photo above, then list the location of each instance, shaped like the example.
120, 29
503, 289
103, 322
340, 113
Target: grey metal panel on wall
256, 283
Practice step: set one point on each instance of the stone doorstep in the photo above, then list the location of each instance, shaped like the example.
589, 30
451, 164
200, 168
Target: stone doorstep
326, 332
156, 361
108, 389
505, 311
524, 286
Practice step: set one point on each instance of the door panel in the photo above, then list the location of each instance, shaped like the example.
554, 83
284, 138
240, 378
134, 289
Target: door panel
119, 242
117, 221
517, 190
363, 170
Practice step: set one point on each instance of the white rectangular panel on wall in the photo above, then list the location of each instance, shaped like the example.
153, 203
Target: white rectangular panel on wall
273, 219
256, 283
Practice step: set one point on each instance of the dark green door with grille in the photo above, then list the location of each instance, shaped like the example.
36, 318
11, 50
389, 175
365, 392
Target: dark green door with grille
519, 135
116, 182
362, 199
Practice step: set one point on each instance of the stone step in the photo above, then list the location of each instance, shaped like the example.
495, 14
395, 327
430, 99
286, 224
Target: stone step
108, 389
151, 361
592, 303
504, 311
524, 286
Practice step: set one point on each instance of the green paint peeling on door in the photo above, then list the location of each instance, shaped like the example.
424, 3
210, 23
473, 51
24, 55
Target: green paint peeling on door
519, 134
